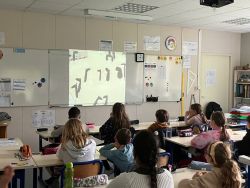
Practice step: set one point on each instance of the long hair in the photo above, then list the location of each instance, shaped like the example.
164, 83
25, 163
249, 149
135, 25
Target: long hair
74, 132
162, 116
219, 120
146, 151
119, 116
220, 154
197, 108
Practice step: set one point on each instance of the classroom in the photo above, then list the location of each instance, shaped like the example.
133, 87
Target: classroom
144, 55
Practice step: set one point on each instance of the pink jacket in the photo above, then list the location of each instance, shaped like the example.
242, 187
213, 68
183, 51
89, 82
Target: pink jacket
204, 139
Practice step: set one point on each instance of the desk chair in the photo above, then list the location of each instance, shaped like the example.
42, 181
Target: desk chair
85, 169
163, 159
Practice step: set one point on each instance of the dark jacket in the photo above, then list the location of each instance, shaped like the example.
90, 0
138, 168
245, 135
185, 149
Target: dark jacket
108, 131
243, 145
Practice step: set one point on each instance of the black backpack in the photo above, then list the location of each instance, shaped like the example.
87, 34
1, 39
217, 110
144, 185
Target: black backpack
212, 107
4, 116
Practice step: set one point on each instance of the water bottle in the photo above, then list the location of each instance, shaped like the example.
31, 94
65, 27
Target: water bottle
68, 175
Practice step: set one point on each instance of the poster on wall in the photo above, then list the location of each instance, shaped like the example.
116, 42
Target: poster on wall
152, 43
105, 45
186, 59
210, 77
130, 46
43, 118
189, 48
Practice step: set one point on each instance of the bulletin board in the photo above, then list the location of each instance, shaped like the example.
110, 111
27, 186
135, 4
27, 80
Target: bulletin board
24, 77
162, 77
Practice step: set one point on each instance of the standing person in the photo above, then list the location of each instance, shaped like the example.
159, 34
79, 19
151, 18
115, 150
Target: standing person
225, 173
146, 174
195, 116
118, 119
243, 145
218, 133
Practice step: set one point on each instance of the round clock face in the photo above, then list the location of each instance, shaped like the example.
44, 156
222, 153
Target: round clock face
170, 43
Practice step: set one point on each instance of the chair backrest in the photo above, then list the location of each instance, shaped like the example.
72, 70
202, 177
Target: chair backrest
163, 159
85, 169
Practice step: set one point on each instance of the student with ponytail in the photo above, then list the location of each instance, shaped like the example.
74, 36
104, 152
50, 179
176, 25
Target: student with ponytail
225, 173
146, 174
218, 133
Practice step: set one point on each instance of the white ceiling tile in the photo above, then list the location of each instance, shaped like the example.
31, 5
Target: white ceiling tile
42, 5
157, 3
100, 4
66, 2
15, 4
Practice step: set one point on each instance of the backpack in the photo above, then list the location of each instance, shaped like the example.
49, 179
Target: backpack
4, 116
212, 107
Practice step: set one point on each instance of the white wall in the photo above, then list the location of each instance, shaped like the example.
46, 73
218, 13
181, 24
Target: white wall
44, 31
245, 49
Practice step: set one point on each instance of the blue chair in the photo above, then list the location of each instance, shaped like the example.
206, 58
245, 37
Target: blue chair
163, 159
85, 169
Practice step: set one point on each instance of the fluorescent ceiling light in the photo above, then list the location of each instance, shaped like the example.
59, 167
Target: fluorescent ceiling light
117, 15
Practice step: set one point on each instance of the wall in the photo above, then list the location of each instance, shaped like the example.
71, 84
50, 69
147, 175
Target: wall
44, 31
245, 49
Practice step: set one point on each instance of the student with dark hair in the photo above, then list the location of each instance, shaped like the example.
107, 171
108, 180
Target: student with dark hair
73, 112
243, 145
146, 174
118, 119
195, 116
218, 133
162, 118
122, 157
225, 173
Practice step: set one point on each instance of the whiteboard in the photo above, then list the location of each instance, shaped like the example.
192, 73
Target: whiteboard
28, 71
162, 77
59, 78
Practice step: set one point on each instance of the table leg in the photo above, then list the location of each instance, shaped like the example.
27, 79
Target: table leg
40, 143
34, 177
248, 176
40, 173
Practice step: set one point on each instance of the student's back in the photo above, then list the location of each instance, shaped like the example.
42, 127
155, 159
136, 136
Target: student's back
243, 145
76, 146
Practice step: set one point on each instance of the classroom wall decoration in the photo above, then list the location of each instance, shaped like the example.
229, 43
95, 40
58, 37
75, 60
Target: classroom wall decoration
19, 69
162, 78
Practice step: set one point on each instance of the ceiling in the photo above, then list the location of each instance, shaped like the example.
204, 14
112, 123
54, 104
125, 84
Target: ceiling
185, 13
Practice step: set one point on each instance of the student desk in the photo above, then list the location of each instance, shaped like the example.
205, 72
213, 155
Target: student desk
182, 173
246, 160
15, 145
142, 126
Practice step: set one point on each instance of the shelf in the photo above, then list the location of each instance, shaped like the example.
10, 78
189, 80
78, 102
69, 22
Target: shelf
243, 83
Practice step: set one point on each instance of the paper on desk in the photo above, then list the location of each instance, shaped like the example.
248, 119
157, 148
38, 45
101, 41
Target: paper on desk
97, 141
4, 142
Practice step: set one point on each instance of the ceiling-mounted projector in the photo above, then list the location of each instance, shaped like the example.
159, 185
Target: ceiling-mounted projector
216, 3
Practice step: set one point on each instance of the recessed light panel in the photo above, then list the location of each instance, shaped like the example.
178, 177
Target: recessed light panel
238, 21
135, 8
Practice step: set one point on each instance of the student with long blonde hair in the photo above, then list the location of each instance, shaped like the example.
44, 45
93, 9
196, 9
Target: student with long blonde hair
225, 173
75, 144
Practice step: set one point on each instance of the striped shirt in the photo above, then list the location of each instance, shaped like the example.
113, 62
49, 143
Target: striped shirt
135, 180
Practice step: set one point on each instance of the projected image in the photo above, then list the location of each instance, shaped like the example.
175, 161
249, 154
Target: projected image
96, 77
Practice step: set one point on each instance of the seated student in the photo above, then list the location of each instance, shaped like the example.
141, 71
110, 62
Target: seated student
224, 174
195, 116
6, 178
218, 133
161, 123
75, 147
73, 112
118, 119
146, 174
243, 145
122, 157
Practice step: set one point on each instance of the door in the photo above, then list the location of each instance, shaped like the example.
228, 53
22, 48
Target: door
214, 80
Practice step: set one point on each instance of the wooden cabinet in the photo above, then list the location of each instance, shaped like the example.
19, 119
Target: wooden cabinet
3, 129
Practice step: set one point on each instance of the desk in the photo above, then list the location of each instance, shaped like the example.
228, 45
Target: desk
142, 126
182, 173
246, 160
11, 146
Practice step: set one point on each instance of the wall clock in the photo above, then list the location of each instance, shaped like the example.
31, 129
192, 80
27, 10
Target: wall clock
139, 57
170, 43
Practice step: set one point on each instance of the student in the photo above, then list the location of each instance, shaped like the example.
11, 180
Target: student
162, 118
146, 174
6, 178
73, 112
118, 119
225, 173
243, 145
195, 116
218, 133
160, 125
76, 146
122, 157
